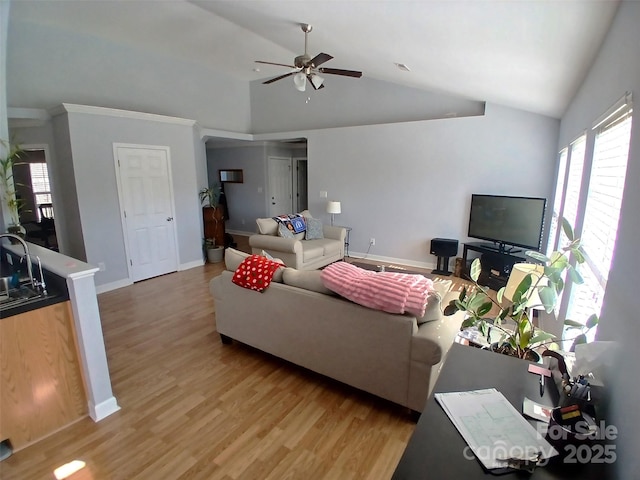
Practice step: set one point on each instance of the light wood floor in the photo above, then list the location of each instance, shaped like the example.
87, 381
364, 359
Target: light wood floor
192, 408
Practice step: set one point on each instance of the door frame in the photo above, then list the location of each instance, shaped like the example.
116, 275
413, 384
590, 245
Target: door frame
123, 222
296, 193
53, 183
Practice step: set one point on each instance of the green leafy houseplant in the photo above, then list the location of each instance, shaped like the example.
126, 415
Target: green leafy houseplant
13, 204
591, 322
518, 335
209, 196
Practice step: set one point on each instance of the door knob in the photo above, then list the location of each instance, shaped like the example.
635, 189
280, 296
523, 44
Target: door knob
169, 219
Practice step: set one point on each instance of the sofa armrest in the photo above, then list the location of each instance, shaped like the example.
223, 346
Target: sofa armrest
273, 243
334, 233
432, 340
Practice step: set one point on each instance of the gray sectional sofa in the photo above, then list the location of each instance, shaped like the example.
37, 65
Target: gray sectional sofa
299, 320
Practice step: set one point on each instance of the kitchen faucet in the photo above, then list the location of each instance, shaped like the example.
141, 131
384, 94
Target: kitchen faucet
27, 256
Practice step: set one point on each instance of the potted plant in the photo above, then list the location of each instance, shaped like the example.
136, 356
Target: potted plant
213, 218
517, 335
215, 253
13, 204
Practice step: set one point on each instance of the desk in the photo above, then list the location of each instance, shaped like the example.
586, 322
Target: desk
436, 449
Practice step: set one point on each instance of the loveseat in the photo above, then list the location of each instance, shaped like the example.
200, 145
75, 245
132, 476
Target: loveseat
301, 321
300, 252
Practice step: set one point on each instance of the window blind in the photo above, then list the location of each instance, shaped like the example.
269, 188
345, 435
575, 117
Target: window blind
557, 202
602, 212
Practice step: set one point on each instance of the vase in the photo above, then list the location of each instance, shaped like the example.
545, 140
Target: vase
215, 254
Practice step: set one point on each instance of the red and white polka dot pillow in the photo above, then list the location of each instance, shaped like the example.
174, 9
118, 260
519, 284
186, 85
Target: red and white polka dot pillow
255, 272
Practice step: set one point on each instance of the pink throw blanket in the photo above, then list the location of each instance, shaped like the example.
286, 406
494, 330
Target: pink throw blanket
386, 291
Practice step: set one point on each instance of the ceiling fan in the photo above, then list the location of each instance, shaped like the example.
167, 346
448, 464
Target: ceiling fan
307, 68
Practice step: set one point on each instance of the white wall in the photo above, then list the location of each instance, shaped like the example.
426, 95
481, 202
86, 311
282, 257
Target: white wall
279, 107
47, 66
4, 128
405, 183
616, 71
92, 136
248, 200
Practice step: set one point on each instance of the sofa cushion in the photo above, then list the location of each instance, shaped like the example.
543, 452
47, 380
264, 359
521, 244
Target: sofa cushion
307, 279
255, 273
312, 249
314, 229
233, 258
284, 231
267, 226
331, 247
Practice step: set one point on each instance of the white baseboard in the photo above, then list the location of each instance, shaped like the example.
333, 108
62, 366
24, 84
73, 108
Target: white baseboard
393, 260
239, 232
103, 409
187, 266
107, 287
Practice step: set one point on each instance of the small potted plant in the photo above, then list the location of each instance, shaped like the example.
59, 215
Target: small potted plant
517, 335
14, 205
212, 212
215, 253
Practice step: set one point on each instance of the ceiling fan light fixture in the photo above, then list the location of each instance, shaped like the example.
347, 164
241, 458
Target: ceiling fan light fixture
300, 81
316, 80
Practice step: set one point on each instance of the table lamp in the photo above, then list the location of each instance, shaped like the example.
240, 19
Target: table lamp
518, 272
333, 208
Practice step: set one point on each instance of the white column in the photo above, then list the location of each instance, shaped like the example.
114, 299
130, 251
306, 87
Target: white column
84, 303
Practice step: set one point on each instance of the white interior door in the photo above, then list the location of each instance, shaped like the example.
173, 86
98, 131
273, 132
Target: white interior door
147, 204
280, 186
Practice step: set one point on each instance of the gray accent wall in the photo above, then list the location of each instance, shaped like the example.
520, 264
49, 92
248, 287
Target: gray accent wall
4, 127
248, 200
616, 71
85, 149
406, 183
279, 107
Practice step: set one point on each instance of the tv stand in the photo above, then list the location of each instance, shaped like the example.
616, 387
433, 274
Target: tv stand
496, 260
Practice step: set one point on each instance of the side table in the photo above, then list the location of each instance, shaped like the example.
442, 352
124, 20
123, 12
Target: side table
346, 239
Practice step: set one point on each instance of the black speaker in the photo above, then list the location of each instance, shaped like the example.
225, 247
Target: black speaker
443, 248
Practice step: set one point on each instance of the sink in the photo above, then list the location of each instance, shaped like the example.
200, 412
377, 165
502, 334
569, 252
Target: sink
21, 295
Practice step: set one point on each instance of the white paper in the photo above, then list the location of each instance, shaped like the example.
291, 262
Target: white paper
492, 427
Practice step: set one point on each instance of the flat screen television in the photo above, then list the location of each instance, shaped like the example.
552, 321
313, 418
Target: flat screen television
507, 221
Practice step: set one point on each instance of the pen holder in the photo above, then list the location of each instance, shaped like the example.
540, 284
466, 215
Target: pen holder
569, 424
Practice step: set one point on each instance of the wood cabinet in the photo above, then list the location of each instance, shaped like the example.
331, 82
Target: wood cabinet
41, 384
213, 219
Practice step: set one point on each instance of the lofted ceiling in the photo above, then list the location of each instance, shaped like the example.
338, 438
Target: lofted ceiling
526, 54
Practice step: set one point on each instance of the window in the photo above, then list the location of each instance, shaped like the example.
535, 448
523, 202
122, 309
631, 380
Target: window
590, 199
557, 202
40, 184
601, 215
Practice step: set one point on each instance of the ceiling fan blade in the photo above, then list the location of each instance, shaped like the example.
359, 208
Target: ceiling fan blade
339, 71
279, 78
279, 64
320, 59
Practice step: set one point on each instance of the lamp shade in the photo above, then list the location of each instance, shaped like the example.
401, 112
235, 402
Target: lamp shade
300, 81
518, 273
316, 80
333, 207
